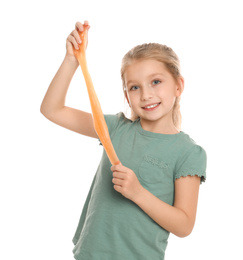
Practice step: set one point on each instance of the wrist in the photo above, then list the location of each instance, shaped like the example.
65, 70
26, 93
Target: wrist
71, 60
139, 195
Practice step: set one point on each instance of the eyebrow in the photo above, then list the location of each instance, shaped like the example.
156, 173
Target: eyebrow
150, 76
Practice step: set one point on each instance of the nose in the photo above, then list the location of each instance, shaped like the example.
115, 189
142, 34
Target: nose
146, 93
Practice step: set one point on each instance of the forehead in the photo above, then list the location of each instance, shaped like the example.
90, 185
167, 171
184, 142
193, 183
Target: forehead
143, 68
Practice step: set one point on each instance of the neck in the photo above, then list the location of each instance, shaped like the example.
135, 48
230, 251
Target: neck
160, 128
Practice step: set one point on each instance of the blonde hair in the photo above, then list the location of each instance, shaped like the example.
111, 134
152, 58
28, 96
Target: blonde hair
163, 54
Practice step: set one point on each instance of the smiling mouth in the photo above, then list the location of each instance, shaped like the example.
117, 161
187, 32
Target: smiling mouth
152, 106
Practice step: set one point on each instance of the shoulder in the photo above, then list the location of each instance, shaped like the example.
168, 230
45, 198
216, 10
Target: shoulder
192, 159
187, 143
116, 120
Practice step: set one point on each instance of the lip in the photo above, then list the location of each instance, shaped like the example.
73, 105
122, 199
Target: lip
151, 108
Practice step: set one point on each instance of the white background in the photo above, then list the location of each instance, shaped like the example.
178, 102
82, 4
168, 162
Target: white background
46, 170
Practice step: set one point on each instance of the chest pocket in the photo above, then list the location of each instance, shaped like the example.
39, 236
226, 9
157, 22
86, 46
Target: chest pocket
153, 170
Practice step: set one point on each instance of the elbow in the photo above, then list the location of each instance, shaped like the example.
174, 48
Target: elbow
184, 231
42, 107
43, 110
185, 226
46, 109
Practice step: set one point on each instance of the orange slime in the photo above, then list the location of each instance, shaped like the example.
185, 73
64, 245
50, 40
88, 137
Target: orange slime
98, 117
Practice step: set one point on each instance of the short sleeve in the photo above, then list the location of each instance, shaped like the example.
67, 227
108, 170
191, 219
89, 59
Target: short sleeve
194, 162
112, 122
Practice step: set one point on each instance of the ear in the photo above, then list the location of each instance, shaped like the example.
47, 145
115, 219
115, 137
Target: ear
179, 86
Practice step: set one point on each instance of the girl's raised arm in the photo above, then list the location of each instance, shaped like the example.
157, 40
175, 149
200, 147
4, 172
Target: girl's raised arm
53, 105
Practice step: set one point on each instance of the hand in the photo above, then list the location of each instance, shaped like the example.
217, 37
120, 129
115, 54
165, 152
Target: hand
126, 182
73, 40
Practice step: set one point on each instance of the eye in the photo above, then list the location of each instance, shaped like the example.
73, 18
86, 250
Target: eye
134, 88
156, 82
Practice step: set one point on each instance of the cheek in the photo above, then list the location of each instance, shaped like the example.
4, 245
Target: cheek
168, 97
131, 97
132, 102
169, 92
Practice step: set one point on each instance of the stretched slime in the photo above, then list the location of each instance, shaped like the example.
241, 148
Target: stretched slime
98, 117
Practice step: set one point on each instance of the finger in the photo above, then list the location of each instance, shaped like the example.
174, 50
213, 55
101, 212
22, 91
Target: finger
86, 23
117, 167
117, 181
75, 34
118, 188
72, 40
119, 175
79, 26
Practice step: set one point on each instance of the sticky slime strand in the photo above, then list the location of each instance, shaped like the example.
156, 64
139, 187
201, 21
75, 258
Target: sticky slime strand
98, 117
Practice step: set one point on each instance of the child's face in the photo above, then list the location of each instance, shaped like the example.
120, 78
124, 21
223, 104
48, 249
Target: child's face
151, 92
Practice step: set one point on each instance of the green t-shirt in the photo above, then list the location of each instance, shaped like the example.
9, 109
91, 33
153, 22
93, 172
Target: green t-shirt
112, 227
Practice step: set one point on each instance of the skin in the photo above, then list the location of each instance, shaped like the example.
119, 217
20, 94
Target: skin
148, 82
142, 90
53, 105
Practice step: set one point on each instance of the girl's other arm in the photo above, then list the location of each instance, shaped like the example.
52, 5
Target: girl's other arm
179, 218
53, 105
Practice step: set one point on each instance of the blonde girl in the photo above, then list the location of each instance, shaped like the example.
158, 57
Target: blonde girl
131, 208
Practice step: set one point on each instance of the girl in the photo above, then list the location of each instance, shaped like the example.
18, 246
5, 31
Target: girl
131, 208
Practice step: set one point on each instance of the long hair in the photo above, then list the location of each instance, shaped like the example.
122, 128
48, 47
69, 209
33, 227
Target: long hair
160, 53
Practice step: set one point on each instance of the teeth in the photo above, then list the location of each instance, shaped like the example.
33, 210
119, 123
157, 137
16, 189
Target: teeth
152, 106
